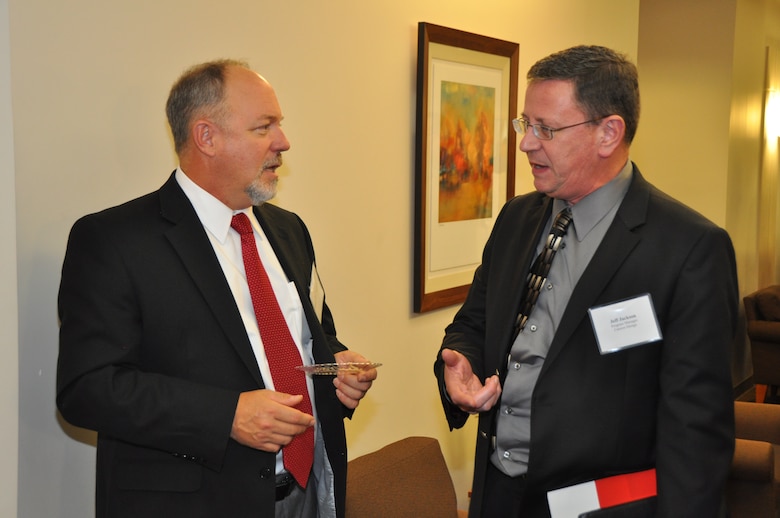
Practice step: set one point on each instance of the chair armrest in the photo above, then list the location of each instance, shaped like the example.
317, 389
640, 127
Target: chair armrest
753, 460
751, 307
757, 421
764, 330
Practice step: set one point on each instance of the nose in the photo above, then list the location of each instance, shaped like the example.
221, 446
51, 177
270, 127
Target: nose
280, 142
529, 142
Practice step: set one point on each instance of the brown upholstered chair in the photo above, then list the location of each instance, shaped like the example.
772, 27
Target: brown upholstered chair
762, 313
753, 489
405, 479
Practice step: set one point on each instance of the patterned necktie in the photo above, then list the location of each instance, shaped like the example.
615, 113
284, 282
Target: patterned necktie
282, 354
537, 275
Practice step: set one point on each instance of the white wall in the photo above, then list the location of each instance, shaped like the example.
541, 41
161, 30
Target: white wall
89, 80
9, 353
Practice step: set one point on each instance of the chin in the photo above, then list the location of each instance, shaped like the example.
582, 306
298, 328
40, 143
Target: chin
260, 194
542, 188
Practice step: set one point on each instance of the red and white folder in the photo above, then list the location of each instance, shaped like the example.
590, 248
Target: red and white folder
570, 502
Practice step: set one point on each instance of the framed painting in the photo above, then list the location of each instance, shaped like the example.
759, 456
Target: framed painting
464, 156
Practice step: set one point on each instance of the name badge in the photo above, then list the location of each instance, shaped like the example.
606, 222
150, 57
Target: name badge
626, 323
316, 292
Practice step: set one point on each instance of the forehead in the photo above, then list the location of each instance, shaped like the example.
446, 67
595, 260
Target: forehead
249, 95
550, 100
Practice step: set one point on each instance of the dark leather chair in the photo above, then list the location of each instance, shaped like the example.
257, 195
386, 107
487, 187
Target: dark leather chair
762, 313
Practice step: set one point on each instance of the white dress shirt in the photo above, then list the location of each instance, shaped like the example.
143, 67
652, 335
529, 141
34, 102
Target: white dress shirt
216, 217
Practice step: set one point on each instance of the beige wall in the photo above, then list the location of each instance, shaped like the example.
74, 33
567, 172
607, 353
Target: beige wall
9, 352
89, 83
685, 77
703, 94
753, 21
701, 136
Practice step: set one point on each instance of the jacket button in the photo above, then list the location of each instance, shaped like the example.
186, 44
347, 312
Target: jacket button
266, 473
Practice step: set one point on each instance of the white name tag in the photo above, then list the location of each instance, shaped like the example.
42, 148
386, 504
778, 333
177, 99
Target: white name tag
626, 323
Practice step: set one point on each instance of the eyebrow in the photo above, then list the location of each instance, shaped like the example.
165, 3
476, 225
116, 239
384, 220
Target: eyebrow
267, 119
540, 121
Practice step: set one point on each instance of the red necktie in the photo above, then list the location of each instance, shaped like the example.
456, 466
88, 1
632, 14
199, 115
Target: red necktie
282, 354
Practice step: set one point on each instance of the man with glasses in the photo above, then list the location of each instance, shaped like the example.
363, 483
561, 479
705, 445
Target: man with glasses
594, 341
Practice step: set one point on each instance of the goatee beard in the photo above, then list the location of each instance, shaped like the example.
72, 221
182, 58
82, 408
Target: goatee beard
260, 193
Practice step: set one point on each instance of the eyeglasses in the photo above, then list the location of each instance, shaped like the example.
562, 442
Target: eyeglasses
541, 131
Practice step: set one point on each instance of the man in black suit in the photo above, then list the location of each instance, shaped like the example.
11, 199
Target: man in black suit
622, 364
160, 348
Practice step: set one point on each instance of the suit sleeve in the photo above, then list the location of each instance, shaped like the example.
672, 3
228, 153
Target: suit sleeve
106, 378
695, 430
326, 319
326, 330
466, 334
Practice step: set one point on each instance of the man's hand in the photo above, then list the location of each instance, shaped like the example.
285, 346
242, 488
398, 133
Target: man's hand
267, 420
464, 388
352, 386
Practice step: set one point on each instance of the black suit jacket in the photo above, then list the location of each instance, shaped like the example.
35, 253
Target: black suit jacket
666, 405
153, 356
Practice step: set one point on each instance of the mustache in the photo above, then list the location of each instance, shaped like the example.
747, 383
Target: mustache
276, 162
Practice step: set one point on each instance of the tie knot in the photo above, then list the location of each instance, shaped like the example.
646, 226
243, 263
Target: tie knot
241, 224
562, 221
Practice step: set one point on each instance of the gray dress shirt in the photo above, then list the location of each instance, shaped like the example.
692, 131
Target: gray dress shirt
591, 217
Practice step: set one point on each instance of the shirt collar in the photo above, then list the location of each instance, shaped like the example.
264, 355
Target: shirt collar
213, 214
591, 209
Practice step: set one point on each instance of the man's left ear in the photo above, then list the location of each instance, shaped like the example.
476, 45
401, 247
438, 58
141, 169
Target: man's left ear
613, 130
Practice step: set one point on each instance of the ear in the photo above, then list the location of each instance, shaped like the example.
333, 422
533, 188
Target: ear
613, 129
203, 135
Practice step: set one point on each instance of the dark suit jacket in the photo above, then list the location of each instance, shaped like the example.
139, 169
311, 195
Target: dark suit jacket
153, 356
666, 405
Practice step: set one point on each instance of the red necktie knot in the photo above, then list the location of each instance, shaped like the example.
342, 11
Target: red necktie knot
241, 224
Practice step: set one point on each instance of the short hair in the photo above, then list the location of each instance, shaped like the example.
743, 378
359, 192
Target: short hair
200, 91
605, 81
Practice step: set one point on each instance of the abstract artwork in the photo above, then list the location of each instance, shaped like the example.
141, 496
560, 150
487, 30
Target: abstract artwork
464, 156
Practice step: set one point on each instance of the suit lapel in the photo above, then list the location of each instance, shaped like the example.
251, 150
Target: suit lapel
190, 242
297, 266
521, 252
617, 244
279, 237
292, 246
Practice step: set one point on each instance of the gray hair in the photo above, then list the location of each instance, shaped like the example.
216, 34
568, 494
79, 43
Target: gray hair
200, 91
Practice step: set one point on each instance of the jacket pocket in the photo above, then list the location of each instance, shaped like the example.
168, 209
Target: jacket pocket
165, 473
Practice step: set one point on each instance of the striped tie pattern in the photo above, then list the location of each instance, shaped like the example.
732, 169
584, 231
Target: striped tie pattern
537, 275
